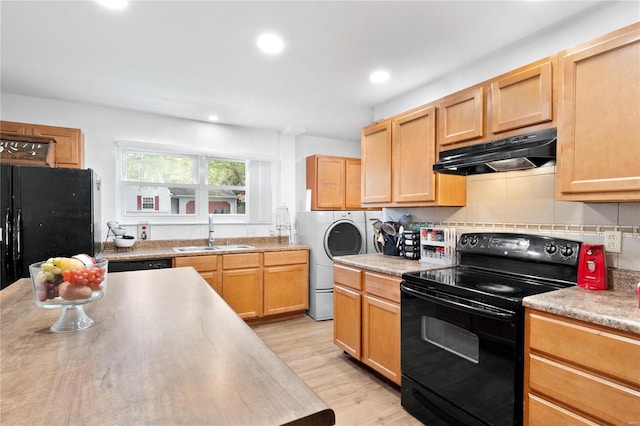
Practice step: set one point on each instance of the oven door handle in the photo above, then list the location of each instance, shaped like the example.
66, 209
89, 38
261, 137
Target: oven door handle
501, 316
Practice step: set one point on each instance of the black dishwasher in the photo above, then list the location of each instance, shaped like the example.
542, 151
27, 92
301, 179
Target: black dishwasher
138, 265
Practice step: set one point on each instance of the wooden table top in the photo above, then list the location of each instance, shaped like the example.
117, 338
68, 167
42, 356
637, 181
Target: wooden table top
165, 349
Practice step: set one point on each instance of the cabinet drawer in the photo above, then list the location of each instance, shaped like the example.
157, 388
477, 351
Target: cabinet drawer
200, 263
384, 286
237, 261
543, 413
349, 277
285, 257
596, 348
591, 394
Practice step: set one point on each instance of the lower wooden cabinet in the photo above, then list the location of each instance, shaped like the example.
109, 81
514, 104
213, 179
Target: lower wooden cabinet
242, 283
256, 285
286, 278
347, 319
366, 318
207, 267
579, 373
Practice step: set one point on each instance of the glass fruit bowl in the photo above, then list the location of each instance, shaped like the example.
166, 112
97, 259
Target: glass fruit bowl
69, 283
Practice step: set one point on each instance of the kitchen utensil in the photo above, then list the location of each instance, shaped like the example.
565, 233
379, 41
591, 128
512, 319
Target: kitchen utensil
406, 221
400, 233
389, 228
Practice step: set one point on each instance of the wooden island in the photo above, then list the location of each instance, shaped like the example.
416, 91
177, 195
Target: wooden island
165, 349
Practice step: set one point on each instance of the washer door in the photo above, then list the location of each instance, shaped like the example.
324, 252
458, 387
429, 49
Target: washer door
343, 238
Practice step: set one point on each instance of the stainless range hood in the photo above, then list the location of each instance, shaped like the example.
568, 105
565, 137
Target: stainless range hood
515, 153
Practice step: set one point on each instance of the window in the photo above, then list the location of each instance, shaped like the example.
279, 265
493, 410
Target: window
187, 187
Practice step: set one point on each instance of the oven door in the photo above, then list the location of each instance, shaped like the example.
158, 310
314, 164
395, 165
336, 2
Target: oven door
459, 360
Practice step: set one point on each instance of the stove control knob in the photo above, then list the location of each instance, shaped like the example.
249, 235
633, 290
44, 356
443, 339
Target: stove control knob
464, 239
550, 248
566, 251
474, 240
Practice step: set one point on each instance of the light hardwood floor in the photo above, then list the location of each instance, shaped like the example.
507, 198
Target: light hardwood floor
356, 394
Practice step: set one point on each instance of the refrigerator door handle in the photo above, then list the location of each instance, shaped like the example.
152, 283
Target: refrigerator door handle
17, 250
7, 231
8, 244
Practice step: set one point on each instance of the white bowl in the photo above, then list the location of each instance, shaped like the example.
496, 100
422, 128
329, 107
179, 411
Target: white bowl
124, 242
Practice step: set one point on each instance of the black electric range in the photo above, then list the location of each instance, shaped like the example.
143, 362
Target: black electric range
462, 328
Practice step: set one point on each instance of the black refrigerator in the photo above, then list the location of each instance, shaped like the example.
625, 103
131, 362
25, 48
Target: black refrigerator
46, 212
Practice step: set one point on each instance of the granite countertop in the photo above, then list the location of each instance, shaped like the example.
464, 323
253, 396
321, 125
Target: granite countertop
616, 308
156, 249
390, 265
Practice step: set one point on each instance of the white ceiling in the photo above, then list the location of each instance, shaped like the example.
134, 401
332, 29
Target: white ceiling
192, 59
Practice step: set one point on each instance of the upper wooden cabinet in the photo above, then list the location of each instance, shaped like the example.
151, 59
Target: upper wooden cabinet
461, 117
397, 160
69, 146
520, 101
522, 98
599, 131
376, 163
334, 182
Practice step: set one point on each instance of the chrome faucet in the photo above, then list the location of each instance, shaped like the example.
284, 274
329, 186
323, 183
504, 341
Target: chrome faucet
212, 241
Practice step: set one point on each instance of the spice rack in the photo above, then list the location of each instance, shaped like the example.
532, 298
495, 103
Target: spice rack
438, 245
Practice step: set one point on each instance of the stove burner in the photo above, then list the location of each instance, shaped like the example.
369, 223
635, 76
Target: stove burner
499, 288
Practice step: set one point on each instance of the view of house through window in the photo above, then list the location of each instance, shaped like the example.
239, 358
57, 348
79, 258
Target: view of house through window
156, 184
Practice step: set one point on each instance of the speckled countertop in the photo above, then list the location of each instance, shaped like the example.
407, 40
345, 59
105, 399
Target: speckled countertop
616, 308
391, 265
156, 249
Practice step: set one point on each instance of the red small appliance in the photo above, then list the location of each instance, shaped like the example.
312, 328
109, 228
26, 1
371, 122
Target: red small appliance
592, 267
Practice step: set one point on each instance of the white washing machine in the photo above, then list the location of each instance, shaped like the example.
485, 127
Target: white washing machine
329, 234
370, 217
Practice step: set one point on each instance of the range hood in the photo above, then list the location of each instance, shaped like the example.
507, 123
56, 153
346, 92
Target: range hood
515, 153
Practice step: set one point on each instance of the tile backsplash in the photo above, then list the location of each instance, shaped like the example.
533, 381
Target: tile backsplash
524, 201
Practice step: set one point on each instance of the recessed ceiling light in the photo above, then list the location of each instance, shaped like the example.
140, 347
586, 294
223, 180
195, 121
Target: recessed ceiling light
270, 43
378, 77
114, 4
213, 118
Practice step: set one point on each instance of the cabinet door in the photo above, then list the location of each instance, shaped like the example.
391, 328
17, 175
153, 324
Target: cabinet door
461, 118
286, 289
523, 98
69, 145
212, 279
598, 132
329, 183
353, 187
414, 152
376, 163
347, 311
206, 267
381, 336
242, 290
15, 128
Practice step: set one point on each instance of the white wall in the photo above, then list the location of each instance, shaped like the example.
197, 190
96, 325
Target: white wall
103, 126
609, 16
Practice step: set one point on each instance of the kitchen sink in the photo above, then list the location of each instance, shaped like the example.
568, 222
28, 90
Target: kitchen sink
191, 249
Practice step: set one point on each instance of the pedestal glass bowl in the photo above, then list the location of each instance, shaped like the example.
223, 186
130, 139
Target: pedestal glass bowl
83, 285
